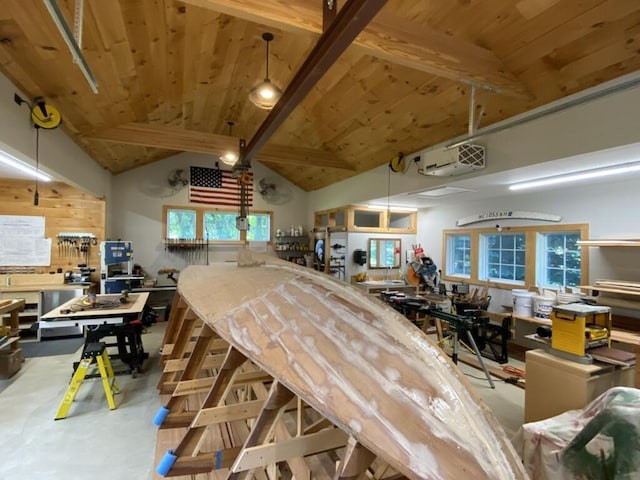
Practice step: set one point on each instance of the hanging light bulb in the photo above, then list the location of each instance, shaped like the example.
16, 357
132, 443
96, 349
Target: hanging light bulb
229, 158
265, 94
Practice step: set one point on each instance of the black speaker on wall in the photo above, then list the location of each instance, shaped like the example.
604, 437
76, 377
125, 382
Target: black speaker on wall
360, 256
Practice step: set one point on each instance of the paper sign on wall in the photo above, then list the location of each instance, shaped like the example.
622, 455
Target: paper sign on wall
22, 241
21, 226
25, 251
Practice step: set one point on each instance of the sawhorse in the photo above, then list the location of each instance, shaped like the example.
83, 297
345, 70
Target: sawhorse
98, 352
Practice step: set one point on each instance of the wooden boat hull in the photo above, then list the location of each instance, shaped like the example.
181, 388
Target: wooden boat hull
356, 361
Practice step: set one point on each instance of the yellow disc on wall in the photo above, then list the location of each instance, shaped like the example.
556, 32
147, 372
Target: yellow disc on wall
45, 116
397, 163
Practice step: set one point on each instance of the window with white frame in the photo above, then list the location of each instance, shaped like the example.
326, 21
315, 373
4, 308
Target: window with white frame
560, 260
502, 257
547, 256
459, 255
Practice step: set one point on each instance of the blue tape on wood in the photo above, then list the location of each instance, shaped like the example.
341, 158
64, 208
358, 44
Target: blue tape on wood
218, 460
160, 416
166, 463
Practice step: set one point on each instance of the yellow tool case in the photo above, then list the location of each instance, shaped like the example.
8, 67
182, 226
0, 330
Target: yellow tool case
576, 327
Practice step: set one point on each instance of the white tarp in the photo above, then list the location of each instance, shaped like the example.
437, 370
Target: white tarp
601, 441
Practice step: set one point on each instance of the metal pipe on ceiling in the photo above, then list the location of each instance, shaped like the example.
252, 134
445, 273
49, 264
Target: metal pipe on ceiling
565, 105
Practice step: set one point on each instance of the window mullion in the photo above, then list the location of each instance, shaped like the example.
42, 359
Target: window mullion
530, 258
199, 224
474, 273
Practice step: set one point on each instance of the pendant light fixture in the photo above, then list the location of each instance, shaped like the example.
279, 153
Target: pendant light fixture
230, 157
265, 94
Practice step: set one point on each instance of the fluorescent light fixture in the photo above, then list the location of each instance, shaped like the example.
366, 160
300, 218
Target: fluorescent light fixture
395, 208
74, 48
578, 176
13, 162
442, 192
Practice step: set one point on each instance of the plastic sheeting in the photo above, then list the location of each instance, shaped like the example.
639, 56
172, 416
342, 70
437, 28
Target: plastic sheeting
601, 441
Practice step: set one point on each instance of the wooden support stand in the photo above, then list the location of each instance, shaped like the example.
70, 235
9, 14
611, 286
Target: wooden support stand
317, 381
224, 414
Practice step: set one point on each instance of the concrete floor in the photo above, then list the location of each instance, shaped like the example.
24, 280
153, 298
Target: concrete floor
93, 442
96, 443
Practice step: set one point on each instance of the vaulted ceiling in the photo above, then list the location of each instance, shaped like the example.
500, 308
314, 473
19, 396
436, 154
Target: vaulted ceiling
171, 74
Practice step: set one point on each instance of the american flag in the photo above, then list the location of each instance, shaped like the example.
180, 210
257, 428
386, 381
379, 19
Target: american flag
216, 187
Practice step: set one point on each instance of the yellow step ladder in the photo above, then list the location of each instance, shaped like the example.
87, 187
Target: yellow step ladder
98, 352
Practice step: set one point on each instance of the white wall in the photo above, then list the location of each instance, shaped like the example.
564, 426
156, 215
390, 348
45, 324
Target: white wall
137, 212
608, 208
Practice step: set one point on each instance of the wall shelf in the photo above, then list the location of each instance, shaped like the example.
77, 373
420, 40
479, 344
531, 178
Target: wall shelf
292, 247
631, 242
354, 218
620, 291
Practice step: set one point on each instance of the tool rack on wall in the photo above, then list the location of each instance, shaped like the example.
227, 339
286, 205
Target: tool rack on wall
194, 251
76, 245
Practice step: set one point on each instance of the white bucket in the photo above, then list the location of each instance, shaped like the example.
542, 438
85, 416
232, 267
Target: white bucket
522, 303
542, 306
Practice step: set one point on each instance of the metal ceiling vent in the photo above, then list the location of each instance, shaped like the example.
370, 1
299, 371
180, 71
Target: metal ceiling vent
458, 159
455, 161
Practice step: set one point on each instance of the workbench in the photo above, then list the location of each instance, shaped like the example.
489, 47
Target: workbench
631, 339
29, 288
556, 385
375, 287
108, 318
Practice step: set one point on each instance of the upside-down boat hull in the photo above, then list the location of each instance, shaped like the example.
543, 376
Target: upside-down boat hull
356, 361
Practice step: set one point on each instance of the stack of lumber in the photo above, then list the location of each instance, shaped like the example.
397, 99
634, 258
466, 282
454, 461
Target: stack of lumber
632, 288
617, 288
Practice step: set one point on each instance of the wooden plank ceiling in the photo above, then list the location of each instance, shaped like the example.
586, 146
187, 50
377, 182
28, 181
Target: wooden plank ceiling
171, 74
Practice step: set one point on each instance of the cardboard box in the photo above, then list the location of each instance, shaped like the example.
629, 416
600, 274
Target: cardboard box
10, 363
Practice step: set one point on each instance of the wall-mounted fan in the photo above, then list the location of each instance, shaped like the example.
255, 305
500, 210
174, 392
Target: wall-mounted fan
167, 186
177, 179
274, 191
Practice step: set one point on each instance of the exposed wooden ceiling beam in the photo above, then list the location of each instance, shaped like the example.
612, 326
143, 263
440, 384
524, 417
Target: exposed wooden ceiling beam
176, 138
387, 37
346, 26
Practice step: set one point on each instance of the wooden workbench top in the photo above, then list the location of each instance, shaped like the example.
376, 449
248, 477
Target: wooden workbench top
39, 287
8, 306
617, 335
135, 305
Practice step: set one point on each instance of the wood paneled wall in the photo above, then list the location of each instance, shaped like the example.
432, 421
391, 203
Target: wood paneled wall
66, 209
